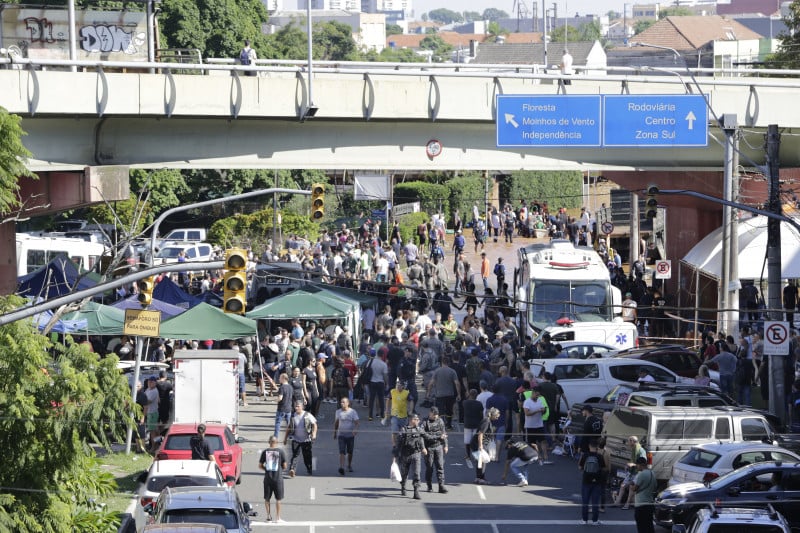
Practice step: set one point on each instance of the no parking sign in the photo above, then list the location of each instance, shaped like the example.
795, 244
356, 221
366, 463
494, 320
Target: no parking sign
663, 269
776, 338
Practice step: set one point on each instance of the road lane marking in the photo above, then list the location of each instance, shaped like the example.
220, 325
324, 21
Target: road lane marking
313, 494
313, 464
401, 523
495, 529
480, 492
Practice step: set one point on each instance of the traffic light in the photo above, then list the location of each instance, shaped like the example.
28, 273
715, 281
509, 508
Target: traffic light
235, 281
651, 204
317, 201
146, 287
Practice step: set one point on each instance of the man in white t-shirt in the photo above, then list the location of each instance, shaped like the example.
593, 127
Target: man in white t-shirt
303, 431
534, 407
629, 308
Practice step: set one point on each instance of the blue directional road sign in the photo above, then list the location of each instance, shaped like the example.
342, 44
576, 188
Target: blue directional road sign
655, 120
548, 121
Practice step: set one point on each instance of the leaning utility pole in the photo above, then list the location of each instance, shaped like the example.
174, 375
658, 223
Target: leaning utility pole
776, 362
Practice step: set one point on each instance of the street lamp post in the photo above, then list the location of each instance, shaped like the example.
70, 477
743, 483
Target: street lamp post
310, 109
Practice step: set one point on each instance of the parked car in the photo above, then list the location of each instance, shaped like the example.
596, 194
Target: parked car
186, 527
588, 380
183, 236
714, 520
584, 349
754, 486
227, 452
653, 394
176, 473
207, 505
667, 432
713, 459
201, 251
677, 358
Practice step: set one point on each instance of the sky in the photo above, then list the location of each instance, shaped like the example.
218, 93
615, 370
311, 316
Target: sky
583, 7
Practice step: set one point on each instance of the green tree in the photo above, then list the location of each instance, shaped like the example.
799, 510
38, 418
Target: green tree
445, 16
13, 155
393, 29
611, 14
217, 28
640, 25
471, 16
289, 42
585, 32
494, 14
557, 188
675, 11
56, 400
333, 41
394, 55
495, 31
440, 49
557, 35
788, 54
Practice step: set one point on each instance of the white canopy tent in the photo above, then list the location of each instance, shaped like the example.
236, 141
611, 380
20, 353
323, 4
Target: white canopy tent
705, 258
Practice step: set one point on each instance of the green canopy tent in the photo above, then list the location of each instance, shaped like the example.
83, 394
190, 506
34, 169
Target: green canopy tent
100, 319
205, 321
307, 305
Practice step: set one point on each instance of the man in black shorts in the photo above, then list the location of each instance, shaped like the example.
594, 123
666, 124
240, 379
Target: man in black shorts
273, 463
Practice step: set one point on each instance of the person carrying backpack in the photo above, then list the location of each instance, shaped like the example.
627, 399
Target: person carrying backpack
248, 56
341, 382
592, 465
500, 272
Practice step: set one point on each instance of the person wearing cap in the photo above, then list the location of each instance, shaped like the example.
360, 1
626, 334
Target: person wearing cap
629, 309
644, 487
435, 436
410, 443
519, 455
199, 445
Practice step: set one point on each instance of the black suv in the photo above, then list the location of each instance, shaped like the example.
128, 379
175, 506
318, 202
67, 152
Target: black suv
675, 357
754, 486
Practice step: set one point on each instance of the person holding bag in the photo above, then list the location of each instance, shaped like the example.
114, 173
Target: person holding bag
483, 444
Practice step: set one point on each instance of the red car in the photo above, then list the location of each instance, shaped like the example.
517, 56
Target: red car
227, 452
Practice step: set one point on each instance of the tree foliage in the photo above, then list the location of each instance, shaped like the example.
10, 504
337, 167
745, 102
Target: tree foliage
464, 191
394, 55
472, 16
557, 188
675, 11
445, 16
255, 229
589, 31
56, 400
492, 13
431, 196
393, 29
333, 41
788, 54
13, 155
217, 28
495, 31
440, 49
640, 25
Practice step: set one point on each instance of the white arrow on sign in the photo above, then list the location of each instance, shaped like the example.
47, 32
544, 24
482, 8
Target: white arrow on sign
510, 120
690, 118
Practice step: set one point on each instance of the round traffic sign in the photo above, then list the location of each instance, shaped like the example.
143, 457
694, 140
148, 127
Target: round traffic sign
663, 267
776, 334
607, 227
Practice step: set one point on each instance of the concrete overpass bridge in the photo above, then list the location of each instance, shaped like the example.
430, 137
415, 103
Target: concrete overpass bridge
370, 115
88, 126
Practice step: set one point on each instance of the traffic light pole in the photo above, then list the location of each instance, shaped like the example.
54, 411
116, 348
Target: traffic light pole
216, 201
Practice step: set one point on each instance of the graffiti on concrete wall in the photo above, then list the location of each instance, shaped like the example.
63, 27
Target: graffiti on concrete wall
41, 30
110, 38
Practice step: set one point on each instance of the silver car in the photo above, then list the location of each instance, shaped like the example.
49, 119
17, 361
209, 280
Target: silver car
206, 505
708, 461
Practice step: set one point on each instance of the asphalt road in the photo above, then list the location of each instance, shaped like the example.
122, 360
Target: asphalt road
367, 499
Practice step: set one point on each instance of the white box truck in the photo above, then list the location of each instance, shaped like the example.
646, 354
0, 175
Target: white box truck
207, 387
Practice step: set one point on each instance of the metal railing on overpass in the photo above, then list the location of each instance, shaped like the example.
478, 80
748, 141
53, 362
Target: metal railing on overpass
784, 78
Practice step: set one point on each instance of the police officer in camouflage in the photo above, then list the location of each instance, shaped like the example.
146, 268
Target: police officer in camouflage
410, 446
435, 436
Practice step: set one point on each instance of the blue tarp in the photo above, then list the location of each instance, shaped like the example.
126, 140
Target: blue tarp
62, 325
56, 278
170, 292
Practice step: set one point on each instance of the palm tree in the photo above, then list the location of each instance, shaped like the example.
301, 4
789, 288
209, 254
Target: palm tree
494, 32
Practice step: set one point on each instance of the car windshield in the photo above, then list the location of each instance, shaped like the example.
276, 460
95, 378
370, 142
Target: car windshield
169, 252
577, 300
224, 517
159, 483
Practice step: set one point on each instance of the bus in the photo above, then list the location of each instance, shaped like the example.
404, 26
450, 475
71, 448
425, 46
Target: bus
33, 252
567, 291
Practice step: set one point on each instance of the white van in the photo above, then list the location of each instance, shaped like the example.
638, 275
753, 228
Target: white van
588, 380
34, 252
